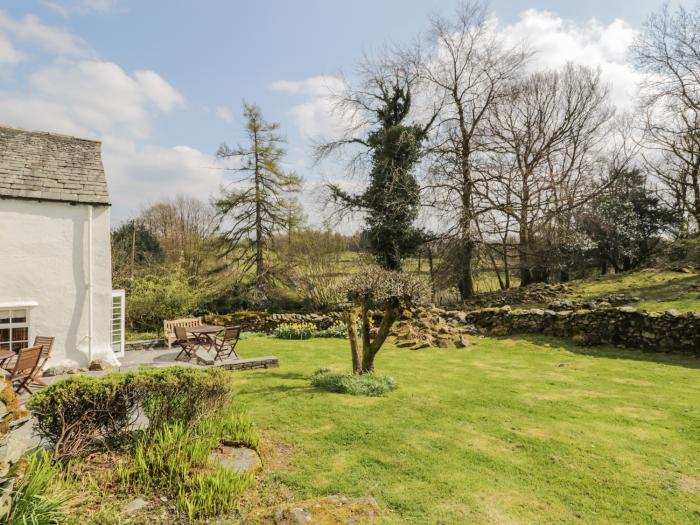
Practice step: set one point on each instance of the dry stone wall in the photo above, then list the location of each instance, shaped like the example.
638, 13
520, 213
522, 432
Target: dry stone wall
267, 322
655, 331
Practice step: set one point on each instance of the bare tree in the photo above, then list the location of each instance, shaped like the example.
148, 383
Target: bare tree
668, 51
549, 134
468, 71
182, 225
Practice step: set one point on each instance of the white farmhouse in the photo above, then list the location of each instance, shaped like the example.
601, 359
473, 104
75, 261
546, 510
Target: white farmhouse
55, 257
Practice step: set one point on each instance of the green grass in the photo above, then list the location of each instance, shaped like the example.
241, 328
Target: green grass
533, 430
658, 289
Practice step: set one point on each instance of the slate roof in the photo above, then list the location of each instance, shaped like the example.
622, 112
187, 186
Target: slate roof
38, 165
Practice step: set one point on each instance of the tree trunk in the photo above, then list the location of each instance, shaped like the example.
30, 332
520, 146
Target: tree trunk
259, 263
351, 319
370, 349
466, 279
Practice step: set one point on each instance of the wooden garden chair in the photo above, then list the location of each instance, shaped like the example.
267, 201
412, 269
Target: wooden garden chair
27, 362
188, 344
46, 344
226, 345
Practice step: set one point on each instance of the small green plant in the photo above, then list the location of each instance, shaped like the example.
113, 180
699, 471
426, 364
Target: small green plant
207, 495
369, 384
338, 329
38, 498
174, 459
295, 331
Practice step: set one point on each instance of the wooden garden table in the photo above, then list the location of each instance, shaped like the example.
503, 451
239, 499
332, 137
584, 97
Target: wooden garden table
205, 334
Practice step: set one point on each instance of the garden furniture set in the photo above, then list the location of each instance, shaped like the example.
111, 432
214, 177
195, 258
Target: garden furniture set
191, 335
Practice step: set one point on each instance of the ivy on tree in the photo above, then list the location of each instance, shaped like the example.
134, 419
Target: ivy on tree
392, 199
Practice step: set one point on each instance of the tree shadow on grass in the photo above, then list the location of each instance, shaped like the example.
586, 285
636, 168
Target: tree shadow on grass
613, 352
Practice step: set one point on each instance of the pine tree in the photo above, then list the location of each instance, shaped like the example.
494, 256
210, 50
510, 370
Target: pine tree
256, 206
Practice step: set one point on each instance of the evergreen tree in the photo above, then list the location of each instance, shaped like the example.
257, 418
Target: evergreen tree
391, 201
256, 206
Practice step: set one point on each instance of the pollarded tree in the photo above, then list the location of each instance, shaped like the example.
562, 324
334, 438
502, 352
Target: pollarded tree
257, 205
376, 289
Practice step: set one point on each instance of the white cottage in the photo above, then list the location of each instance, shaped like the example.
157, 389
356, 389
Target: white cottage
55, 257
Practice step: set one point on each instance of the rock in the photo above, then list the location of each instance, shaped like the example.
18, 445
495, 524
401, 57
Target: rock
100, 365
239, 459
135, 505
462, 342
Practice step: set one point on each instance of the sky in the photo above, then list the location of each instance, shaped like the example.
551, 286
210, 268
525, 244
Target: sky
162, 82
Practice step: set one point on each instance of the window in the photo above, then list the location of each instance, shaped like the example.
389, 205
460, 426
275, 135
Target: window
14, 329
117, 327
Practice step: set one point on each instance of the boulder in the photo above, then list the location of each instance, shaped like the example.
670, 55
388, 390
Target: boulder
100, 365
239, 459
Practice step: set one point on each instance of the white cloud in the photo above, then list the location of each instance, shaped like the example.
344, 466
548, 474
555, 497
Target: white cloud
317, 116
556, 41
66, 8
224, 113
52, 40
92, 97
8, 53
138, 175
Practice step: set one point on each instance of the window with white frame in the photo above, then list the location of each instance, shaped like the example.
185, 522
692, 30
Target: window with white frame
14, 329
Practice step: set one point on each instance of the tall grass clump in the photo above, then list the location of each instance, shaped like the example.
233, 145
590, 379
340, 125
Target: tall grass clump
38, 498
369, 384
174, 459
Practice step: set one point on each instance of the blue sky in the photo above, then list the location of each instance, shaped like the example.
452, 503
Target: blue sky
161, 82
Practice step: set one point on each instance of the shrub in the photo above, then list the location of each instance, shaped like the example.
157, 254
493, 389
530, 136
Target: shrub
369, 384
74, 413
36, 501
172, 394
294, 331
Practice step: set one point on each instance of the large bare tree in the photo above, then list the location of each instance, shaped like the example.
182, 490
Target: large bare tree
668, 51
466, 69
549, 135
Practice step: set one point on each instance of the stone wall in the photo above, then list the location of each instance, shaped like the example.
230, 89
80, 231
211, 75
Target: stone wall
267, 322
656, 331
15, 435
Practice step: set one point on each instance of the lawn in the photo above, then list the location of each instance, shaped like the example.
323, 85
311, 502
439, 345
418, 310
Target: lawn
657, 289
531, 430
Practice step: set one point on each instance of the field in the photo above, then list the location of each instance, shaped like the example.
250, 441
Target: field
531, 430
657, 289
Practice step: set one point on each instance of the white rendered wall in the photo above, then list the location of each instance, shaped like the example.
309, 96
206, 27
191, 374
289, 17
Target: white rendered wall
44, 260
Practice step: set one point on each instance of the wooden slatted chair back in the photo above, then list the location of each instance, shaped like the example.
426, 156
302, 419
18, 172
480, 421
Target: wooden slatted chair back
169, 327
46, 344
27, 360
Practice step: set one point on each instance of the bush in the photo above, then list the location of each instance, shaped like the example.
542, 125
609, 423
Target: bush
295, 331
74, 413
36, 500
369, 384
173, 394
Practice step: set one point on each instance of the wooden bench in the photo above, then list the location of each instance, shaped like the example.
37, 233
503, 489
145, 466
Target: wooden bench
268, 361
169, 327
